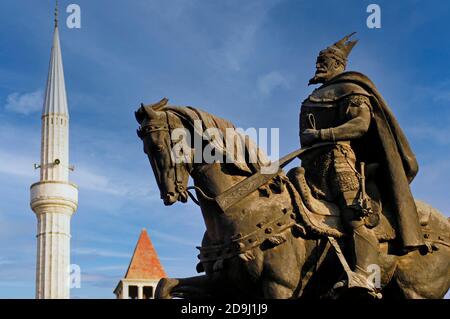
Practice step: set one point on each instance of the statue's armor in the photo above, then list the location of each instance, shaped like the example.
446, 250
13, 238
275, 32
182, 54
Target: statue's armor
329, 105
331, 171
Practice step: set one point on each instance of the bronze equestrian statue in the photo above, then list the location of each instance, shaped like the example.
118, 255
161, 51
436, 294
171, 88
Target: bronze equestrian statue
349, 111
277, 235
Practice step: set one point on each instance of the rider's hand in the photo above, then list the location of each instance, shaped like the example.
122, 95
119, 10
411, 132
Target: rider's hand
309, 136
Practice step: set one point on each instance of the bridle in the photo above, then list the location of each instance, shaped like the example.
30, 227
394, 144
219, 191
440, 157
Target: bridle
169, 126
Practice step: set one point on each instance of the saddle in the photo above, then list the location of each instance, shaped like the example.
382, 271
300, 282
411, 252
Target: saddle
324, 218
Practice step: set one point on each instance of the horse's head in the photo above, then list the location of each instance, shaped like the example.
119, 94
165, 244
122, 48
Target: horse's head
155, 130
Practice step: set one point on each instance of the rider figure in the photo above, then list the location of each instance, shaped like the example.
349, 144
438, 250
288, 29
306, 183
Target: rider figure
348, 110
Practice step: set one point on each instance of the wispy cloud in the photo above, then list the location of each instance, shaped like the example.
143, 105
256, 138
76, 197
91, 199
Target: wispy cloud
87, 179
121, 268
269, 82
15, 284
434, 173
438, 92
99, 280
431, 184
25, 103
440, 135
240, 34
4, 261
16, 164
172, 238
100, 252
18, 143
112, 181
17, 274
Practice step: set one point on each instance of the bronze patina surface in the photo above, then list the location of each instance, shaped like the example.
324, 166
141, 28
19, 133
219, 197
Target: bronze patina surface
317, 231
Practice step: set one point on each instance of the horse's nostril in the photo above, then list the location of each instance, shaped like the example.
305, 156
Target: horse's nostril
170, 195
169, 199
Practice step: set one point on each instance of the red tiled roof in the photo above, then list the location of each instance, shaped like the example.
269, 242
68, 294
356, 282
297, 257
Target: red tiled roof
145, 263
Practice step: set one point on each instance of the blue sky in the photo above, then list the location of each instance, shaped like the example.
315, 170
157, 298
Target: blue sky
247, 61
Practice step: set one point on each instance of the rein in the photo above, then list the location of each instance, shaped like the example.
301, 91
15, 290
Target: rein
200, 191
244, 188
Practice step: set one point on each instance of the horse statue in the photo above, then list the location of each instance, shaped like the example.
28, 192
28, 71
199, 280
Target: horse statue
266, 238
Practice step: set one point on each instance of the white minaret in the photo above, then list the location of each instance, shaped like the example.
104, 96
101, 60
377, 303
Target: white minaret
54, 199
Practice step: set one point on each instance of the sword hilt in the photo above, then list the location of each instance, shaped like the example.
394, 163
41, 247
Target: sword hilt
363, 200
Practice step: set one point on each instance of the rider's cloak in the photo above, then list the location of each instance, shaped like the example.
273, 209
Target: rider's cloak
386, 144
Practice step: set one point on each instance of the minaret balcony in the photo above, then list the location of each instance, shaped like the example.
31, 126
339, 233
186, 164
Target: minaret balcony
53, 193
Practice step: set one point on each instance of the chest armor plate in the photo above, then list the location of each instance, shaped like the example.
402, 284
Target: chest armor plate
327, 106
319, 115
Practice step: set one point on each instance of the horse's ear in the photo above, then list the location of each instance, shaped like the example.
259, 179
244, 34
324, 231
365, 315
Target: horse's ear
160, 105
140, 114
150, 112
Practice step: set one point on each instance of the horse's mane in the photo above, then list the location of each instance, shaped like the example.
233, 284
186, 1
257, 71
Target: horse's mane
242, 143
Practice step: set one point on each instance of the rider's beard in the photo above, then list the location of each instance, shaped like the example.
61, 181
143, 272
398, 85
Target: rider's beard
319, 77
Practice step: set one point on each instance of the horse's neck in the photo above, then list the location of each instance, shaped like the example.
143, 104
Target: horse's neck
214, 178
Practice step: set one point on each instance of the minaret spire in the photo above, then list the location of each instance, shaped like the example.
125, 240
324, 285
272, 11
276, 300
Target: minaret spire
56, 14
54, 199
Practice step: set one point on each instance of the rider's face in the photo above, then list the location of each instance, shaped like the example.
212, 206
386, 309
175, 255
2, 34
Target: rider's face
326, 68
322, 65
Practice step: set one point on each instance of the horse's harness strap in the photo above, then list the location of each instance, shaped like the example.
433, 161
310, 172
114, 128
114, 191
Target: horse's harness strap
240, 244
315, 266
150, 128
244, 188
177, 166
432, 237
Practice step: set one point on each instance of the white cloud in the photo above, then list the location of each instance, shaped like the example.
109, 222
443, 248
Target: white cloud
438, 92
431, 184
111, 181
98, 280
92, 181
439, 135
121, 267
164, 236
4, 261
18, 143
100, 252
16, 164
239, 37
236, 48
26, 103
267, 83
